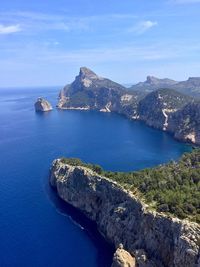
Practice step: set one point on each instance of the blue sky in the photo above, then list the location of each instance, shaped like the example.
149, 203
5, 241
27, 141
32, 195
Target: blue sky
45, 42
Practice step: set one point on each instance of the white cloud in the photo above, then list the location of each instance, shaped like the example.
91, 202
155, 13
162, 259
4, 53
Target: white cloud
33, 22
143, 26
10, 29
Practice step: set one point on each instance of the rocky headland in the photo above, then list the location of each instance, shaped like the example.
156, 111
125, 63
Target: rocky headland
142, 236
164, 109
42, 105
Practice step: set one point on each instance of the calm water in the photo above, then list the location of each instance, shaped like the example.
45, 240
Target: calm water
36, 228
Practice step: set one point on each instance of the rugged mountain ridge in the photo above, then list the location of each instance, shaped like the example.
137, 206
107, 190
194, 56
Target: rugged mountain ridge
190, 87
90, 91
152, 238
162, 109
153, 83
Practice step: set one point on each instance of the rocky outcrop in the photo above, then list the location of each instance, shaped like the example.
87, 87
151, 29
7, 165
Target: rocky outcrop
122, 258
155, 108
153, 238
42, 105
171, 111
185, 123
90, 91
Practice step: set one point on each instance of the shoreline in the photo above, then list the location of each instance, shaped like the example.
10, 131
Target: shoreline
188, 142
155, 230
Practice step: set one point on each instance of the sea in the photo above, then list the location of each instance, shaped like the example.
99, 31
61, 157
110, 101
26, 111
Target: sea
37, 229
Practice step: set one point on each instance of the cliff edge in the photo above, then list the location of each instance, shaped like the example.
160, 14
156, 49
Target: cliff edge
154, 239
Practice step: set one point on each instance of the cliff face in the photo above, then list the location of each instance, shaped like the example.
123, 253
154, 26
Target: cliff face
155, 108
154, 239
163, 109
185, 123
42, 105
90, 91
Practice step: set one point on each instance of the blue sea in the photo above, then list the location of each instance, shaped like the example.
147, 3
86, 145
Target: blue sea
36, 228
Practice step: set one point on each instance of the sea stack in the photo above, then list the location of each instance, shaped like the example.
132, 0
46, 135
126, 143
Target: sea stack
42, 105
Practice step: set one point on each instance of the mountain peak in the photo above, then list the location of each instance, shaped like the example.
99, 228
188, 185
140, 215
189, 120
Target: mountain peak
87, 73
152, 79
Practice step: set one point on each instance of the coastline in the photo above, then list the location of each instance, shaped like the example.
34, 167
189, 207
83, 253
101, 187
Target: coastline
122, 218
136, 118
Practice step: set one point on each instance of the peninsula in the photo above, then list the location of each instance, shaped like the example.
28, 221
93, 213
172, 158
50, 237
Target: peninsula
164, 109
151, 216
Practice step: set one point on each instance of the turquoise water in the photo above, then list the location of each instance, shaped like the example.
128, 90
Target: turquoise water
37, 228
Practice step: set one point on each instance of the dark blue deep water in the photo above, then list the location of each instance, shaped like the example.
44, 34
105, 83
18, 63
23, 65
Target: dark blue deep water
36, 228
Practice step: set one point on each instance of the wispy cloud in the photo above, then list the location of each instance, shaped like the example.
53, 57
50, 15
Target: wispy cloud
143, 26
10, 29
36, 22
46, 54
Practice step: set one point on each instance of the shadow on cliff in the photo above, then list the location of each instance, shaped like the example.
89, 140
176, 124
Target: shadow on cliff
104, 250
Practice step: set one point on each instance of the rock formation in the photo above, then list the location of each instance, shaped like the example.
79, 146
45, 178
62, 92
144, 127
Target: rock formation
90, 91
122, 258
185, 123
42, 105
164, 109
155, 108
154, 239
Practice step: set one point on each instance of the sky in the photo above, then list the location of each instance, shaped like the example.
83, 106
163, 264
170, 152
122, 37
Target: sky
44, 43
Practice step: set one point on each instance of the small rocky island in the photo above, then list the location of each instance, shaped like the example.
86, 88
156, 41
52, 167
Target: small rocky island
142, 215
42, 105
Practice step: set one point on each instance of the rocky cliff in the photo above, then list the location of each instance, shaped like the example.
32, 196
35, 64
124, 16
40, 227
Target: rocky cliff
152, 238
156, 107
185, 123
164, 109
90, 91
42, 105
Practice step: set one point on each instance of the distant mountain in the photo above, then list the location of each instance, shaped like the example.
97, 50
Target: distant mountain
165, 109
152, 83
190, 87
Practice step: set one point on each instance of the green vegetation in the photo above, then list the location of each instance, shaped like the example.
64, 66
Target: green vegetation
81, 99
77, 162
173, 188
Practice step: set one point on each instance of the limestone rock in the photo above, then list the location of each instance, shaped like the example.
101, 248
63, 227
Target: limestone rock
165, 109
122, 258
162, 241
42, 105
90, 91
